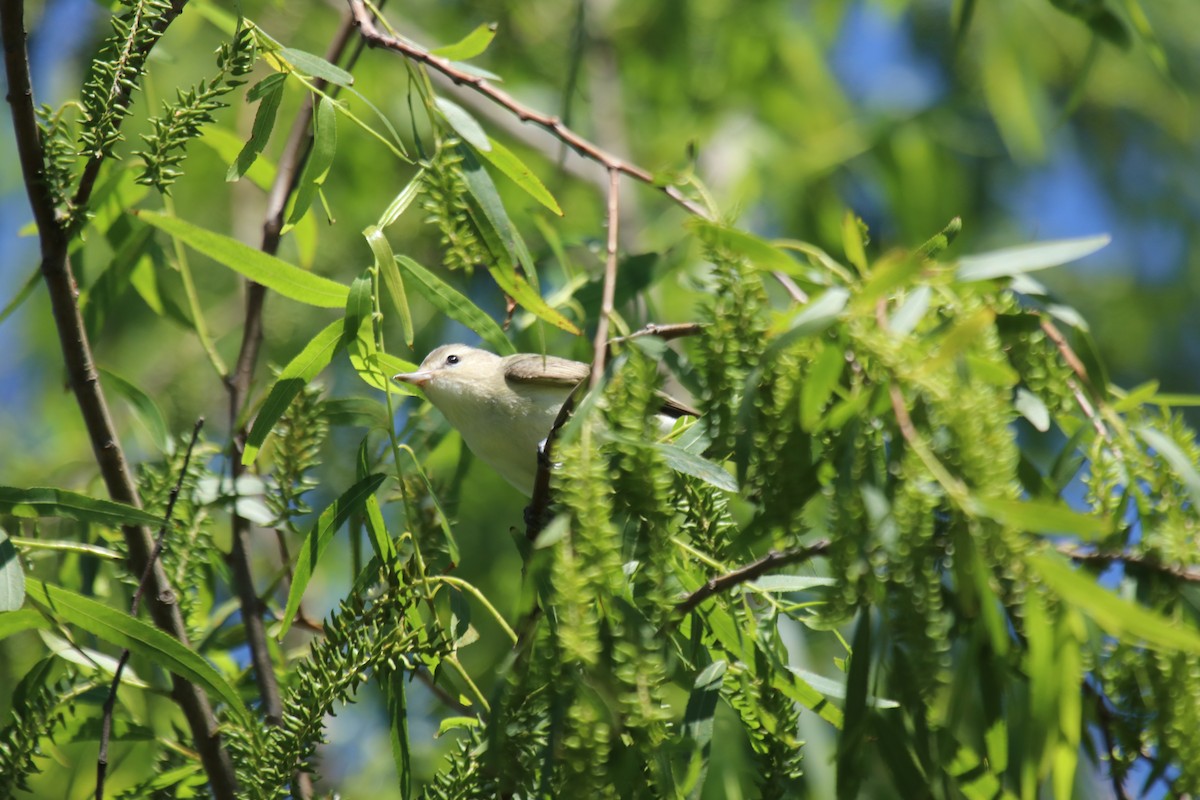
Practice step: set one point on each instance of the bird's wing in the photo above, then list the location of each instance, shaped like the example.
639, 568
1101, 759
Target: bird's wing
545, 370
674, 408
555, 371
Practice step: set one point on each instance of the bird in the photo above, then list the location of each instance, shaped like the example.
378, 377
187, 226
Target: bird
505, 406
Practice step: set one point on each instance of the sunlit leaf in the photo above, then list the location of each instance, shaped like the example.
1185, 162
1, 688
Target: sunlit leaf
332, 518
250, 262
12, 577
1027, 258
315, 356
471, 45
49, 502
507, 162
316, 66
122, 630
457, 306
1123, 619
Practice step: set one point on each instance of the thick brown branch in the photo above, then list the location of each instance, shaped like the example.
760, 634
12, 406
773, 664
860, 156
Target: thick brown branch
85, 384
376, 38
772, 560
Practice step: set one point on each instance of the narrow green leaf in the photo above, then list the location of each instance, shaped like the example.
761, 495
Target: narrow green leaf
250, 262
852, 241
381, 543
471, 45
1175, 400
812, 319
904, 320
1127, 621
699, 716
122, 630
385, 262
1031, 407
316, 66
12, 577
1173, 455
49, 502
464, 124
1043, 516
31, 283
315, 356
506, 244
316, 168
443, 521
837, 689
818, 386
318, 539
402, 201
1027, 258
25, 619
228, 146
791, 583
270, 90
760, 253
507, 162
681, 460
143, 404
457, 306
396, 703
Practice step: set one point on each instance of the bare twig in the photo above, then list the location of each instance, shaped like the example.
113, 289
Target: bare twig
376, 38
600, 343
674, 330
755, 569
54, 239
134, 605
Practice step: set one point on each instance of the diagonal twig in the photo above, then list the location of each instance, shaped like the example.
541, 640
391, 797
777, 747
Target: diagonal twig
755, 569
134, 605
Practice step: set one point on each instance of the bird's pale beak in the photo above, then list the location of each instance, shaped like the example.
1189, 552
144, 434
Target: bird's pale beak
418, 378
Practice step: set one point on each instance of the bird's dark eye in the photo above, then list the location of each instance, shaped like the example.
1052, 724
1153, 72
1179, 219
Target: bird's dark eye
452, 359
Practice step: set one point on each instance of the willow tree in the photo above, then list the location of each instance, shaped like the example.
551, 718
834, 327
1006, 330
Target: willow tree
916, 522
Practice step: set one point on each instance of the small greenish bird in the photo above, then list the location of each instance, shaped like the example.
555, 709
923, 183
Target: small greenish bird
505, 406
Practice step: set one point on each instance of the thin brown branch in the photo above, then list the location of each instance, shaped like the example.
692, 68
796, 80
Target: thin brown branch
376, 38
134, 606
756, 569
1081, 381
54, 239
1131, 560
673, 330
287, 175
600, 342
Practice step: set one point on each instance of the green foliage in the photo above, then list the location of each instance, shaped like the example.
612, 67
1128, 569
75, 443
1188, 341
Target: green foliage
181, 121
35, 715
892, 532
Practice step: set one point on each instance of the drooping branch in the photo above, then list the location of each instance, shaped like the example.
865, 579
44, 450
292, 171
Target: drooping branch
54, 239
588, 149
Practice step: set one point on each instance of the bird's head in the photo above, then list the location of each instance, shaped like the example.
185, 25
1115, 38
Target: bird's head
455, 370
